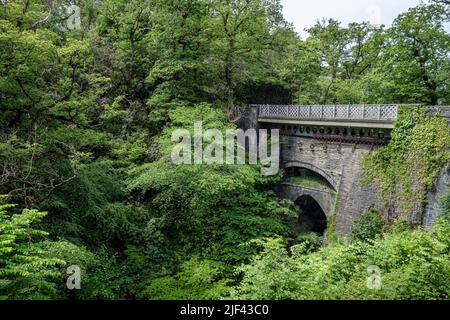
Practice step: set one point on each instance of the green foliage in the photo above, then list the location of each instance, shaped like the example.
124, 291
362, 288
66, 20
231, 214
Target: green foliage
197, 280
367, 227
88, 207
310, 182
311, 242
414, 265
86, 118
270, 274
445, 204
106, 279
407, 167
26, 271
361, 63
211, 209
331, 225
417, 56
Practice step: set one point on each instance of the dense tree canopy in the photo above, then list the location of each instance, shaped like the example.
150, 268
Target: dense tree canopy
86, 116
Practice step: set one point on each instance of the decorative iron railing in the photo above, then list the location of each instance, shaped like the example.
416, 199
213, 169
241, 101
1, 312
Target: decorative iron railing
381, 113
385, 113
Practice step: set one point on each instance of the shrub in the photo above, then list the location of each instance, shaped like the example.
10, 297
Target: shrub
197, 280
311, 242
413, 265
367, 227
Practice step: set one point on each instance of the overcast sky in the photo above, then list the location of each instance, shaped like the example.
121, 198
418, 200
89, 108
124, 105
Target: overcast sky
304, 13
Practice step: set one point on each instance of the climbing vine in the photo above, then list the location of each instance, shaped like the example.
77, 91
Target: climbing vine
331, 233
405, 169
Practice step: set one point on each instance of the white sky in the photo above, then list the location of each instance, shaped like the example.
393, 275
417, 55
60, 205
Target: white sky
304, 13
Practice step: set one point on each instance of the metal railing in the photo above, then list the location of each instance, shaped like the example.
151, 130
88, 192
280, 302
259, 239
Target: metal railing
362, 112
385, 113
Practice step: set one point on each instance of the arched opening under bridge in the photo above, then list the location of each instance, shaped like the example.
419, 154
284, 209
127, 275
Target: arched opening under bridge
311, 218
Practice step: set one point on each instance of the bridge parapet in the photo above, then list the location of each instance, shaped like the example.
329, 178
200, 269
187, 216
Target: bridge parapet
364, 115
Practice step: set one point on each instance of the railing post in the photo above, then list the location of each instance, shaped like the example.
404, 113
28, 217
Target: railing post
321, 114
335, 112
310, 111
348, 111
379, 112
364, 112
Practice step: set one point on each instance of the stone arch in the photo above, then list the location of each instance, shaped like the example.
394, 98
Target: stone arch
292, 192
313, 218
328, 177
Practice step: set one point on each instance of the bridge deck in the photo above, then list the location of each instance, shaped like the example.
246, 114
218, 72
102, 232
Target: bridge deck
368, 116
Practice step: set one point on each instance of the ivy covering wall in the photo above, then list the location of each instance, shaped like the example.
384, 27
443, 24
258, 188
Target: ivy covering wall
405, 170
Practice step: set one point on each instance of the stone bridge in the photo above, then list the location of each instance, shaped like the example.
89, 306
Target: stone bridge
323, 146
325, 199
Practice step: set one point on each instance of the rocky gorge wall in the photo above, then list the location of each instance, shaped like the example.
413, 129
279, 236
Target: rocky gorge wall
440, 188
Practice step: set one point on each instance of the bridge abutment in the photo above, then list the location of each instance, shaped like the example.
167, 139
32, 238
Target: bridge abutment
340, 164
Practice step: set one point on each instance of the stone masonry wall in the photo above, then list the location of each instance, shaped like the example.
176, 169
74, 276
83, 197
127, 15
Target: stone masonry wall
440, 188
343, 163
